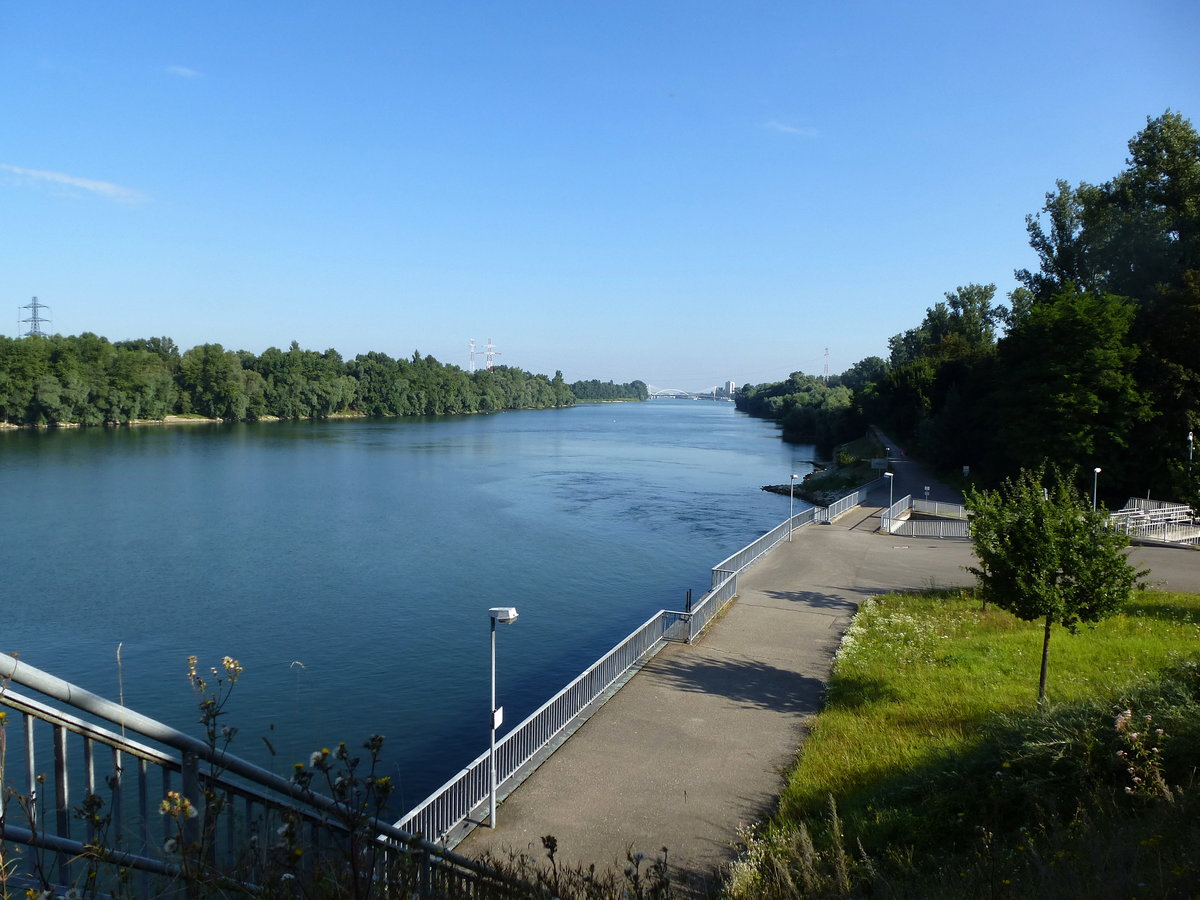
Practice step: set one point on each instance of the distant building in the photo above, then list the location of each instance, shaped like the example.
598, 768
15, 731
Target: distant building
731, 387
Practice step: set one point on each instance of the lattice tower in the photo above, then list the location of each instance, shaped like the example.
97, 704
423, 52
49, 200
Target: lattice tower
35, 319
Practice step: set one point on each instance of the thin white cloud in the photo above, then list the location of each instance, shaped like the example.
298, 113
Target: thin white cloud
784, 128
184, 72
105, 189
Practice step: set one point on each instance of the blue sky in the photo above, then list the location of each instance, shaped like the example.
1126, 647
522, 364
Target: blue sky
681, 191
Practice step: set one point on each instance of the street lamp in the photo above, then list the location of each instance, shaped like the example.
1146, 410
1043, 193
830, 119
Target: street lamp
791, 502
506, 615
1095, 484
891, 477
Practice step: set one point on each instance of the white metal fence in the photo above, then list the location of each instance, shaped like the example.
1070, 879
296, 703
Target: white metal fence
890, 519
756, 548
851, 500
938, 528
1157, 520
150, 760
464, 795
78, 752
939, 508
460, 801
951, 524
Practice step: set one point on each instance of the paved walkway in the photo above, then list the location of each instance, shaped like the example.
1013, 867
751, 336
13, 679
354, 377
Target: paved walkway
696, 744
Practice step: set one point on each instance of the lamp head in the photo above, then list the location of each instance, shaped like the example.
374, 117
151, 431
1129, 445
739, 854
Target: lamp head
505, 615
1096, 470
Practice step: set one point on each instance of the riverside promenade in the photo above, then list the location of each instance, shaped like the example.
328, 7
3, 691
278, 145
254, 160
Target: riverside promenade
695, 745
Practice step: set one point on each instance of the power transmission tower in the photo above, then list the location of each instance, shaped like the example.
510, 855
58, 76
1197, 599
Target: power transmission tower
490, 354
35, 319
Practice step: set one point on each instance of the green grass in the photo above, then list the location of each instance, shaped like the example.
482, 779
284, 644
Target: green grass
866, 447
934, 749
819, 487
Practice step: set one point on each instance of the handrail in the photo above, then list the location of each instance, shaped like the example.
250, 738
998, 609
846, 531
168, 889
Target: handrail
443, 812
450, 811
266, 789
454, 802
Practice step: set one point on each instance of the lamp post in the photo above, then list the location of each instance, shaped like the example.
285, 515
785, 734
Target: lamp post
891, 477
1191, 442
791, 502
506, 615
1095, 485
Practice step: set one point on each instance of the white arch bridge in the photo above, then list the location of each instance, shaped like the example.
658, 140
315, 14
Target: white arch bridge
676, 394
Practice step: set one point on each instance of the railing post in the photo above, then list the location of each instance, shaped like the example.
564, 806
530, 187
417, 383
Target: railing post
62, 802
426, 874
190, 791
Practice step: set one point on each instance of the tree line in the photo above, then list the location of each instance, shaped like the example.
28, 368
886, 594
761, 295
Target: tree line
1094, 361
606, 390
88, 380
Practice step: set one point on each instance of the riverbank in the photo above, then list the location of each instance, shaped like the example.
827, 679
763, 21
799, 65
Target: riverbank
850, 468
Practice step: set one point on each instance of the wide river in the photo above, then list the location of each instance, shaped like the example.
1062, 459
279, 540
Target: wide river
349, 565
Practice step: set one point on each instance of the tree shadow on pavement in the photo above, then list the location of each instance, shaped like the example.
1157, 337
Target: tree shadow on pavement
818, 600
744, 681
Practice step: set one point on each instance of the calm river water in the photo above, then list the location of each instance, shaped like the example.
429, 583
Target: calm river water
349, 565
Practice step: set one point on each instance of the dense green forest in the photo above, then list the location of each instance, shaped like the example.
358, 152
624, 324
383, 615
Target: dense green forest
606, 390
87, 380
1094, 361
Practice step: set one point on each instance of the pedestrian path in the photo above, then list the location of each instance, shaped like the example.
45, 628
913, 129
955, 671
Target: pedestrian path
695, 745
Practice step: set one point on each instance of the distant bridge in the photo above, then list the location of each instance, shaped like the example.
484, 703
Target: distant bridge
675, 394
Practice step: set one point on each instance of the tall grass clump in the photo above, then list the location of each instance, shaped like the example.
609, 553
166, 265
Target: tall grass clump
932, 770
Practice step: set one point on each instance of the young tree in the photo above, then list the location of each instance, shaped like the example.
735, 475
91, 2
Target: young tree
1045, 554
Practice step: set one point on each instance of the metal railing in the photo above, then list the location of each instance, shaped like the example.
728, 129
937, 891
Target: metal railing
889, 519
940, 508
254, 803
951, 524
452, 810
851, 500
107, 786
463, 796
939, 528
1156, 520
738, 561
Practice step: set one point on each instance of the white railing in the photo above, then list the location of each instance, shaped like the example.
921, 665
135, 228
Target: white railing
851, 500
1156, 520
939, 528
124, 766
458, 805
711, 604
952, 524
463, 796
756, 548
889, 519
940, 509
254, 801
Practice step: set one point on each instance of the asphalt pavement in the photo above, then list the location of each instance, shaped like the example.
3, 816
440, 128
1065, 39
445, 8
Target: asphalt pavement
695, 745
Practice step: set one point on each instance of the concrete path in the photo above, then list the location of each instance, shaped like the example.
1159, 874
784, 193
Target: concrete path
695, 745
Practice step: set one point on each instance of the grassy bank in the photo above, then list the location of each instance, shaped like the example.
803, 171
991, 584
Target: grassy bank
850, 467
947, 780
